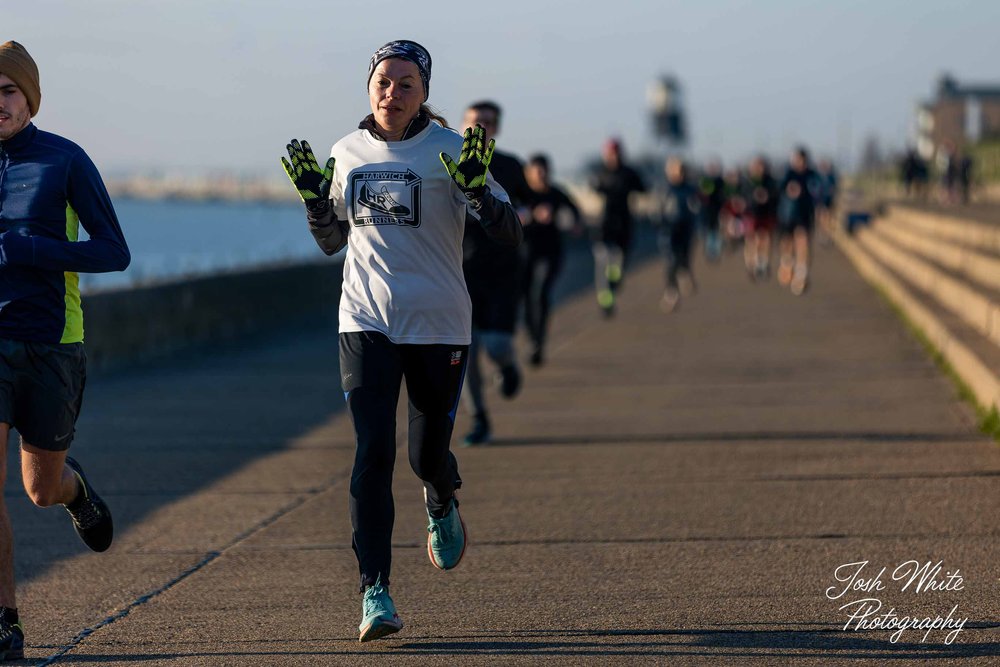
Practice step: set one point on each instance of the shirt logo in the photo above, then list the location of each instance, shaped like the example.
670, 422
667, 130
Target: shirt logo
385, 198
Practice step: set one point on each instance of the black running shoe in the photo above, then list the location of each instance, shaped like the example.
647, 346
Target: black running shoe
11, 641
510, 381
480, 433
91, 516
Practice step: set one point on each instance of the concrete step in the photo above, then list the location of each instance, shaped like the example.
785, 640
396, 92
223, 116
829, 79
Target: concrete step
978, 309
980, 267
973, 234
987, 212
961, 330
982, 377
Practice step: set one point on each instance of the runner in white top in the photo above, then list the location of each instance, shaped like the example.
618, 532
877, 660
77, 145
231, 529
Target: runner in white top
404, 310
403, 271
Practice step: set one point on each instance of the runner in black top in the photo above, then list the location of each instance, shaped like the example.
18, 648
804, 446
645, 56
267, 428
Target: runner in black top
761, 196
796, 216
544, 249
712, 193
492, 273
680, 218
827, 200
616, 181
734, 210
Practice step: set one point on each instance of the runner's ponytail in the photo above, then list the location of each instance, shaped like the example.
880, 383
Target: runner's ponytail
433, 114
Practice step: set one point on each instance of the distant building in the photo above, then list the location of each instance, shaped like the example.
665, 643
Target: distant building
960, 114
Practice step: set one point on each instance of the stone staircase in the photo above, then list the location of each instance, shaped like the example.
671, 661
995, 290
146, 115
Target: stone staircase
943, 272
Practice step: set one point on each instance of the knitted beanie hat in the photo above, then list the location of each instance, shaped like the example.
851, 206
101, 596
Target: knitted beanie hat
16, 64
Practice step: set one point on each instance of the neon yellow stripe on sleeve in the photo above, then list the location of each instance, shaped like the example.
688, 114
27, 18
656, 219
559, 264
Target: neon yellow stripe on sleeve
73, 329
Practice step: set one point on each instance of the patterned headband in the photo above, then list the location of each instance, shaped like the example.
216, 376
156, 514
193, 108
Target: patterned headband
406, 50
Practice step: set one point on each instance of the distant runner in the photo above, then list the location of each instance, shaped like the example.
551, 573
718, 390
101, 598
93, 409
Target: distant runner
680, 220
761, 196
616, 181
712, 193
796, 219
544, 245
826, 202
492, 273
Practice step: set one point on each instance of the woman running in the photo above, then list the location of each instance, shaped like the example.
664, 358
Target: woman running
404, 308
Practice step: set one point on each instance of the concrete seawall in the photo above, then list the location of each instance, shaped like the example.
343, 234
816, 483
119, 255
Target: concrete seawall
124, 327
137, 325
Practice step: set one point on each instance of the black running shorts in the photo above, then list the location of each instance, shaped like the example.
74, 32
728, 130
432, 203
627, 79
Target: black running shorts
41, 390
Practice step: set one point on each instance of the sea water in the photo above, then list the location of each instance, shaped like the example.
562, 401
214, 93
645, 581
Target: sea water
178, 239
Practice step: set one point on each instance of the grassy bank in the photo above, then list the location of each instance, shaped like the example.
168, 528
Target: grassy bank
987, 418
987, 161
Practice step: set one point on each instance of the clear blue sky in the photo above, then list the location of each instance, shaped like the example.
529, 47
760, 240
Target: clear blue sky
221, 84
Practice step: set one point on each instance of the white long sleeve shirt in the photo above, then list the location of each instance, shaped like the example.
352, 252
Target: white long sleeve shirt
406, 217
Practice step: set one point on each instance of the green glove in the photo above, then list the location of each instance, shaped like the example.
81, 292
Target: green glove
470, 171
305, 174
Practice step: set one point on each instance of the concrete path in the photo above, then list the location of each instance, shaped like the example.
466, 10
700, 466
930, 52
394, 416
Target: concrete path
668, 489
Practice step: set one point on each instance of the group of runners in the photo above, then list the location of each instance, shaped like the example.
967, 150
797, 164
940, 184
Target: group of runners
504, 281
446, 239
753, 206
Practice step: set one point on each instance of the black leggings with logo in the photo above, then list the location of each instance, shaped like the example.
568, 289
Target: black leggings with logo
372, 369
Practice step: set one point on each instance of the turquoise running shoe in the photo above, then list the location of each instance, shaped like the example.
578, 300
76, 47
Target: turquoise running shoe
378, 614
446, 538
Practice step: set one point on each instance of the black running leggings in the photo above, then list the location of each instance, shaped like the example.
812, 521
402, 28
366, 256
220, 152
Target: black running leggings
540, 273
372, 369
678, 254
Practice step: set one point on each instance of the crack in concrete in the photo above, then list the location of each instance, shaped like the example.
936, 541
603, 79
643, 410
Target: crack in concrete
208, 558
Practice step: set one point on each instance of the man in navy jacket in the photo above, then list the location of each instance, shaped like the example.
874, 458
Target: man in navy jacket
48, 189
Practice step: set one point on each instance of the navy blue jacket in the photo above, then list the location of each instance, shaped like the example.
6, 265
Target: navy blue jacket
48, 188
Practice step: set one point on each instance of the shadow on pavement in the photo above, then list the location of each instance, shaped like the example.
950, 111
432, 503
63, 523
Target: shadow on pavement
151, 435
831, 644
781, 643
743, 436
